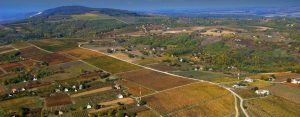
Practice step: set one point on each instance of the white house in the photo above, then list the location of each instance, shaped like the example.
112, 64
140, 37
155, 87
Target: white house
66, 89
295, 81
248, 80
88, 106
120, 96
262, 92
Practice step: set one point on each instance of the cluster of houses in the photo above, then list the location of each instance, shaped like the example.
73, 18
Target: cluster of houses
295, 81
261, 92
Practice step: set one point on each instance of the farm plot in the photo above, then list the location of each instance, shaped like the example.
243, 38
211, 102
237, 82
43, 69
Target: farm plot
220, 107
91, 92
286, 92
272, 106
4, 49
10, 67
162, 67
202, 75
111, 65
135, 89
82, 53
94, 98
58, 100
73, 67
17, 104
53, 58
31, 52
56, 44
154, 80
21, 44
186, 97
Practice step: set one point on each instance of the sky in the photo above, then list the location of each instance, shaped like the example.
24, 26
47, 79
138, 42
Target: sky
23, 6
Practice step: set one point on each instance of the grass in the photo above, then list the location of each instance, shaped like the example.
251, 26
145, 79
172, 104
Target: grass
273, 106
153, 60
111, 65
246, 93
260, 84
202, 75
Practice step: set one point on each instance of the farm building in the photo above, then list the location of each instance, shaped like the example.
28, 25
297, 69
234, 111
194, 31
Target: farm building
262, 92
295, 81
248, 80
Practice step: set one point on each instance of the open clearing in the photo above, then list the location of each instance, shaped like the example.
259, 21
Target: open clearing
73, 67
186, 97
111, 65
82, 53
154, 80
272, 106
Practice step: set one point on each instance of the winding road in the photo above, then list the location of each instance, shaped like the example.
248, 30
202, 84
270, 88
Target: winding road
233, 93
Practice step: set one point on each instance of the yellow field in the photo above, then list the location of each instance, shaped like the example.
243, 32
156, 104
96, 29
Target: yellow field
190, 96
82, 53
272, 107
260, 84
221, 107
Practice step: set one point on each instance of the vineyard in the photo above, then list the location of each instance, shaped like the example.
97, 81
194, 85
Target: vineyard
186, 97
53, 58
272, 106
82, 53
154, 80
111, 65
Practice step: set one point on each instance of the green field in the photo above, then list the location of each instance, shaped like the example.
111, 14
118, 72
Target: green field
111, 65
201, 75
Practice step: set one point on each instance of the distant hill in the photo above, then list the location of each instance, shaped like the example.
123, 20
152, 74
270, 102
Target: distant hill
71, 10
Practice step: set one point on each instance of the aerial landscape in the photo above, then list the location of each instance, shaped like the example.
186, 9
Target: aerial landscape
143, 58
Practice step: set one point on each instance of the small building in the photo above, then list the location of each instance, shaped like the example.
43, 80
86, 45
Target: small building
117, 86
120, 96
262, 92
14, 90
88, 106
295, 81
66, 89
248, 80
